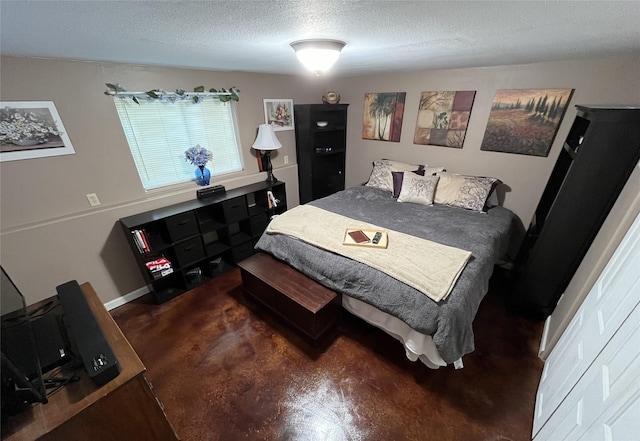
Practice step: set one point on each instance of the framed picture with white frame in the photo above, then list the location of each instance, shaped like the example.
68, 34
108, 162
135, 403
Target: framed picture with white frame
279, 113
32, 129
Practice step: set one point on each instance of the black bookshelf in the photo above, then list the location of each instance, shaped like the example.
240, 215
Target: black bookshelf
597, 158
181, 246
321, 145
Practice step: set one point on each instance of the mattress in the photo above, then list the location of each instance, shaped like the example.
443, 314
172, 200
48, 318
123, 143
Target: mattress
417, 346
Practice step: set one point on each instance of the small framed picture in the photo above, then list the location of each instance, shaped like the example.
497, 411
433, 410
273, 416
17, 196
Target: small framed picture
31, 129
279, 113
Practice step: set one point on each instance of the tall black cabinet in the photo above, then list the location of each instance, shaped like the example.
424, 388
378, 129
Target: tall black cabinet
598, 156
321, 144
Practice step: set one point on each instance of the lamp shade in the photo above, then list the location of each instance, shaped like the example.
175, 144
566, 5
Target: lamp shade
266, 139
318, 55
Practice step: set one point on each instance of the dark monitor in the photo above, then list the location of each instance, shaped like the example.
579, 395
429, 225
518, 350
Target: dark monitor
22, 381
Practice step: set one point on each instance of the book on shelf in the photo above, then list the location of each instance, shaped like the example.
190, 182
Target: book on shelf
272, 201
159, 267
260, 167
141, 240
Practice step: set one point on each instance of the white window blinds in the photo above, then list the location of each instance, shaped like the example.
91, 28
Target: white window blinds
159, 132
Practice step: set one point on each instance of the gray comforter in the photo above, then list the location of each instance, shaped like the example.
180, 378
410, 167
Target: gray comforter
449, 322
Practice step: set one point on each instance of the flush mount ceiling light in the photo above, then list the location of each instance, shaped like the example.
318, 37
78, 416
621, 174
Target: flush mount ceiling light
318, 55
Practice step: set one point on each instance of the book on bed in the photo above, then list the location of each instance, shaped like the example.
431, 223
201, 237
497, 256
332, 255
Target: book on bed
365, 238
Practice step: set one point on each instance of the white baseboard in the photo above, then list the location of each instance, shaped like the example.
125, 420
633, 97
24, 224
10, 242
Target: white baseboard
543, 341
127, 298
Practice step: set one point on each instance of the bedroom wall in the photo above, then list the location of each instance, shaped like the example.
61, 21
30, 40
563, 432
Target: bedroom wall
49, 233
611, 80
608, 80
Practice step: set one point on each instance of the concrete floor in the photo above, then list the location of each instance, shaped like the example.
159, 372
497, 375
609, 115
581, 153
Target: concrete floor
227, 369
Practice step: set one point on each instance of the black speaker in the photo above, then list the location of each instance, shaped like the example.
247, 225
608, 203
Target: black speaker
210, 191
86, 335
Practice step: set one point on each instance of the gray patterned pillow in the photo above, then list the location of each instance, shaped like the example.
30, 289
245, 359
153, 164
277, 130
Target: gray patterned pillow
381, 174
470, 192
418, 189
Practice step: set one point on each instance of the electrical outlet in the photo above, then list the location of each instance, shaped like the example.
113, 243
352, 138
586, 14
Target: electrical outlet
286, 159
93, 199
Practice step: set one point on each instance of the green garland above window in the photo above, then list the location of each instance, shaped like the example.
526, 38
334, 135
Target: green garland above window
198, 94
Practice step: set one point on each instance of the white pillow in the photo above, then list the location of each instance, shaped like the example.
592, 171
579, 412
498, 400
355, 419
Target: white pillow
418, 189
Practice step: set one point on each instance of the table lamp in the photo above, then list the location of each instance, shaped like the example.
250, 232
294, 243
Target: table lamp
265, 142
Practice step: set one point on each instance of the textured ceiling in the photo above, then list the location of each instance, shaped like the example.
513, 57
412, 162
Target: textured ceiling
381, 36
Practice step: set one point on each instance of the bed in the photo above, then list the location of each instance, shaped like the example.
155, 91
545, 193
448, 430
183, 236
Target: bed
437, 333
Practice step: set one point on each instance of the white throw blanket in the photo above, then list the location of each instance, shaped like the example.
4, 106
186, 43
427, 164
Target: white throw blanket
427, 266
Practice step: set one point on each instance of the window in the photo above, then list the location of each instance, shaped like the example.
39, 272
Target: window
159, 132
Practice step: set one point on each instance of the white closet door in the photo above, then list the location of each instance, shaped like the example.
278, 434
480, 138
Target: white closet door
563, 367
565, 394
603, 400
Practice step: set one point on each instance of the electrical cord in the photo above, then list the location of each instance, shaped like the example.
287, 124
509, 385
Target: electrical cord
56, 380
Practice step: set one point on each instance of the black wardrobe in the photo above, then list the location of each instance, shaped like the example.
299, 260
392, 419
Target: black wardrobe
598, 156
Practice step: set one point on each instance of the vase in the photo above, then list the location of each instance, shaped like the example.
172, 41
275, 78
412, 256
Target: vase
26, 142
203, 175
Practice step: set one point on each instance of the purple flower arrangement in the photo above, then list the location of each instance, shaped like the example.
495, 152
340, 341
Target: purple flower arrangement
198, 156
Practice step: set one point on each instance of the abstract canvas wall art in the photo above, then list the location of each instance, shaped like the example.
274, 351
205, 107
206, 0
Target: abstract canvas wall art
383, 114
443, 117
525, 121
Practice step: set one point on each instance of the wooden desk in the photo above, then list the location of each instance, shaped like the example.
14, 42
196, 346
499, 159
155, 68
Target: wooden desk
123, 409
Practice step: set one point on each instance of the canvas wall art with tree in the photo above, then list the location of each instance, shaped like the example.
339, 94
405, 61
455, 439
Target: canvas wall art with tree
383, 114
443, 117
525, 121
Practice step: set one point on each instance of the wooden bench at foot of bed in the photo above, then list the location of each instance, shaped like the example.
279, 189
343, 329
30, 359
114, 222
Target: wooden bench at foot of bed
299, 300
